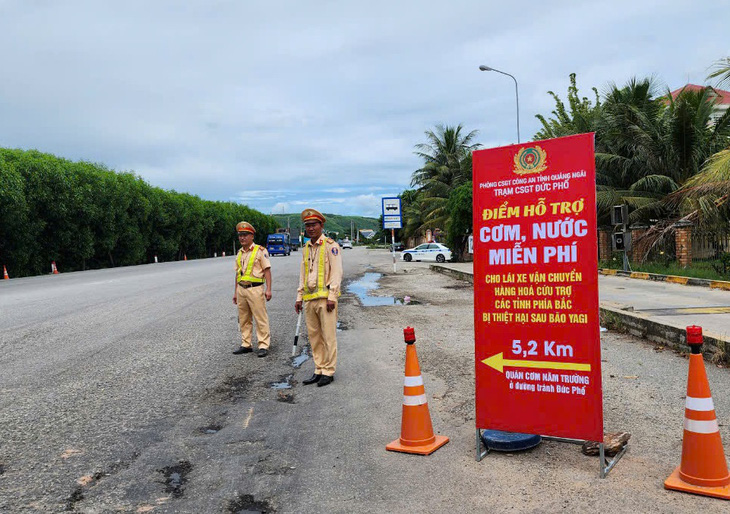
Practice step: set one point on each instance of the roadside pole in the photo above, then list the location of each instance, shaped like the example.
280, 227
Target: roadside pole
392, 240
391, 220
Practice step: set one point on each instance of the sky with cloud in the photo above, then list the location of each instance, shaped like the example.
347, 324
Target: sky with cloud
286, 104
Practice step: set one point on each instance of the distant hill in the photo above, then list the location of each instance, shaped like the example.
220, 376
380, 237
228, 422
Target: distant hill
335, 223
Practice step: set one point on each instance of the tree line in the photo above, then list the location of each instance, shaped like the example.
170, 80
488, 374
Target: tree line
666, 156
84, 216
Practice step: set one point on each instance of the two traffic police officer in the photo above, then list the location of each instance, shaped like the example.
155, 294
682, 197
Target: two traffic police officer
252, 290
320, 276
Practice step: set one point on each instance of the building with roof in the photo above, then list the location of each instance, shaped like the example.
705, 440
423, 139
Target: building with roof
722, 98
367, 233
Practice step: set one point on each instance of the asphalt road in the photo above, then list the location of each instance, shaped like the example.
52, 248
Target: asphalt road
673, 304
118, 387
119, 393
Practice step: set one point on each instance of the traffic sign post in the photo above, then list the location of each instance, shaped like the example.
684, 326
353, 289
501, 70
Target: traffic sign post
537, 341
392, 219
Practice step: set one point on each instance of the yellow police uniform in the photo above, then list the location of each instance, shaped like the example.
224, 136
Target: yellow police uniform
250, 265
320, 277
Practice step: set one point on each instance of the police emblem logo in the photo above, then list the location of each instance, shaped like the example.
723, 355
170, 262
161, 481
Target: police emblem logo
334, 251
530, 160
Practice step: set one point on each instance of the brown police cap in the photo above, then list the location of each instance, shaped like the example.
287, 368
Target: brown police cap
312, 215
245, 227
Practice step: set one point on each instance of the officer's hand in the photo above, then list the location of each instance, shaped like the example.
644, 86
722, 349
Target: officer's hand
268, 295
298, 307
330, 305
235, 300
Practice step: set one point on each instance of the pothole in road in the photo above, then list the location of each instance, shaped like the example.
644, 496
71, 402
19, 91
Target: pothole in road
369, 283
235, 386
211, 429
247, 504
2, 468
285, 397
175, 477
76, 496
285, 382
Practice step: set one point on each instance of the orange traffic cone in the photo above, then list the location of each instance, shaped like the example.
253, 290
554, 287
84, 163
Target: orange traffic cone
5, 273
704, 468
416, 433
54, 269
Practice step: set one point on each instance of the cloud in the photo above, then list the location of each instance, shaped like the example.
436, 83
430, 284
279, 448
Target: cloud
280, 104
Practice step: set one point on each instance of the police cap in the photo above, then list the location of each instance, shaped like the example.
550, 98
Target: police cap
312, 215
245, 227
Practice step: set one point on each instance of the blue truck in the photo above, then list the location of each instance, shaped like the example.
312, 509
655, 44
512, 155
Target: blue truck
278, 244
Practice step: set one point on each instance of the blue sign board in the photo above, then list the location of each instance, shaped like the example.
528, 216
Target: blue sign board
392, 212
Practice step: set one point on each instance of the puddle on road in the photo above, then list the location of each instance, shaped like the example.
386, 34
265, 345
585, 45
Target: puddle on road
369, 282
285, 383
300, 359
213, 428
77, 494
176, 477
246, 503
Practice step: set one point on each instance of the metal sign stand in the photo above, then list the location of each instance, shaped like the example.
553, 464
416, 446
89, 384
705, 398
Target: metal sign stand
392, 240
605, 464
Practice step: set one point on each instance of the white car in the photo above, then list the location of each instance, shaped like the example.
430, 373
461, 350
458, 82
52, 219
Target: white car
427, 252
346, 244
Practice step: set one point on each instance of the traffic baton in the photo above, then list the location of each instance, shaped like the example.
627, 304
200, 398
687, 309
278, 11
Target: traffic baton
296, 335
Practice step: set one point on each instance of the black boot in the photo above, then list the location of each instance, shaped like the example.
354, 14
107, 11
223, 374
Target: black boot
325, 380
314, 379
242, 349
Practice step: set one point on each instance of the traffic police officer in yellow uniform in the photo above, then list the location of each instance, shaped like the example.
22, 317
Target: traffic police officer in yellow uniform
320, 276
253, 272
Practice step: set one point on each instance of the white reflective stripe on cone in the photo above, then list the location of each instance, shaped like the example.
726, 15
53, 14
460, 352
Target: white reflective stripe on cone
699, 404
413, 381
412, 401
701, 427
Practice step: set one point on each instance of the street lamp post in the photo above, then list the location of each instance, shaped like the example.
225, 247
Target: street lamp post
517, 96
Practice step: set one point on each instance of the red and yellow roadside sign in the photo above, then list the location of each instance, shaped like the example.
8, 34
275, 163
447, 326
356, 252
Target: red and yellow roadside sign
537, 342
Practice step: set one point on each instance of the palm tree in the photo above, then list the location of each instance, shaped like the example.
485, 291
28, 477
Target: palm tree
447, 164
650, 147
412, 213
687, 165
722, 70
618, 164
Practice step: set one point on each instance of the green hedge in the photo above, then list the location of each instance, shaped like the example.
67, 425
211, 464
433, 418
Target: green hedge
84, 215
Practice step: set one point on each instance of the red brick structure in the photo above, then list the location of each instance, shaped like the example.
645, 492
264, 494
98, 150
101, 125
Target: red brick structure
639, 248
683, 242
604, 243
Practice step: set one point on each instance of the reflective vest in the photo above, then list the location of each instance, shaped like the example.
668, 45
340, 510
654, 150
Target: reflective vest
246, 276
322, 291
